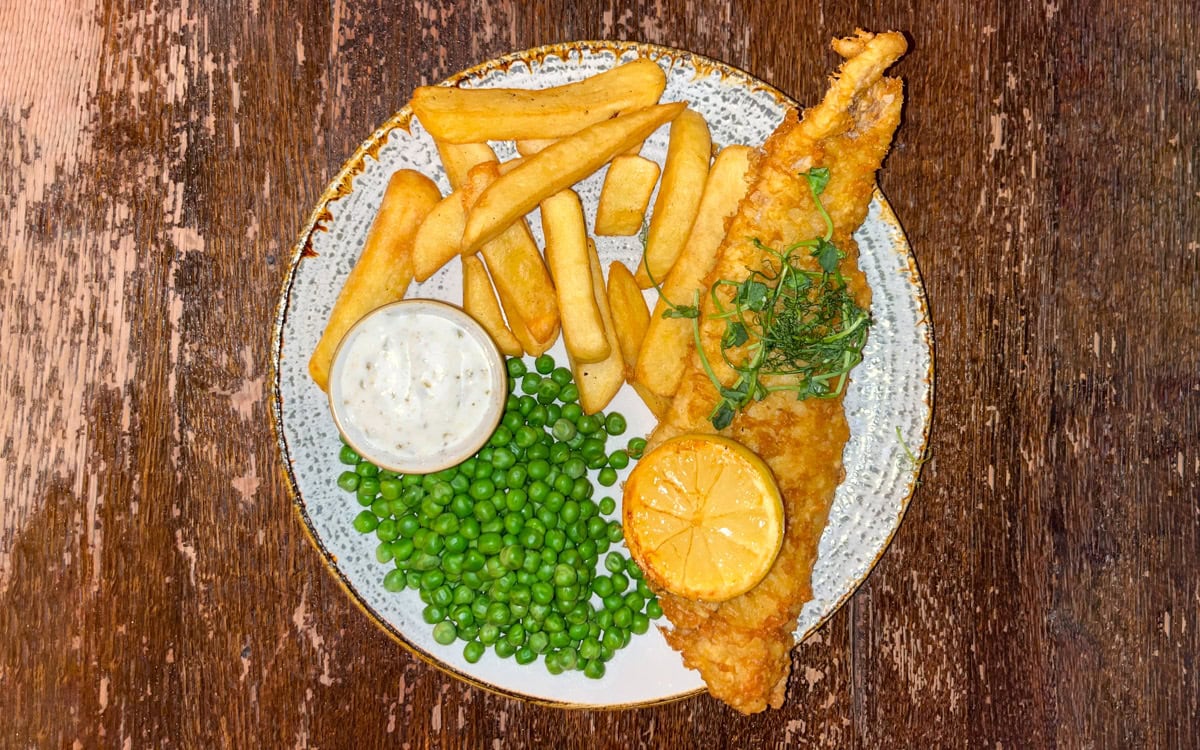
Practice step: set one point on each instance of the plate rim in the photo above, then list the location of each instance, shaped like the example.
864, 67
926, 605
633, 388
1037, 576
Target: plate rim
341, 185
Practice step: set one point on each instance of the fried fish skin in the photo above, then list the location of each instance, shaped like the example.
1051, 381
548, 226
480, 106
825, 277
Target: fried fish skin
742, 646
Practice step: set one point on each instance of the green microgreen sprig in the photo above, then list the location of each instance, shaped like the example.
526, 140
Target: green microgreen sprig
801, 328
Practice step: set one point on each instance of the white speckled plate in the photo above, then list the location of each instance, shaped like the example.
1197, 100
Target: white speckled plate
891, 395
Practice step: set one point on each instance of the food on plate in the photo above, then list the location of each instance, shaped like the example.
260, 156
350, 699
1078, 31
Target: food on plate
742, 647
558, 167
384, 268
664, 350
703, 517
440, 236
523, 281
598, 381
567, 258
459, 115
517, 269
479, 301
684, 173
417, 386
533, 345
628, 186
459, 158
485, 578
531, 146
630, 314
507, 166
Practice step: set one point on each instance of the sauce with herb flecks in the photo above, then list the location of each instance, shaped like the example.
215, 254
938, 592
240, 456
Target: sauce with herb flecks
412, 388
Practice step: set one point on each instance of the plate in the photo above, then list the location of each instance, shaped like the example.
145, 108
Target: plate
888, 404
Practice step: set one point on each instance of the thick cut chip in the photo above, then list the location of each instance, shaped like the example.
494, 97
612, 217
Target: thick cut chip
440, 236
567, 257
479, 301
669, 341
599, 381
626, 193
459, 115
558, 167
703, 517
678, 201
630, 315
459, 158
384, 268
532, 345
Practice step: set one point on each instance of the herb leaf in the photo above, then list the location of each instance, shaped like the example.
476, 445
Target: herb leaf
723, 416
827, 255
735, 335
681, 311
797, 326
818, 178
752, 295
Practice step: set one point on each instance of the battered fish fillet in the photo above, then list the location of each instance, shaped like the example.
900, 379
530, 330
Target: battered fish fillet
742, 646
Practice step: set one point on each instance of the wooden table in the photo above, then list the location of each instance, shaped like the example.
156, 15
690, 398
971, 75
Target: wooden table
158, 161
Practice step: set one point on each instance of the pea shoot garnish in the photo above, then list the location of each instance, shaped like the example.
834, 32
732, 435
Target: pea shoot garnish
787, 328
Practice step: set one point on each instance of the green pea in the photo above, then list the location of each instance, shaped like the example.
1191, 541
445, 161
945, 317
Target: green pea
653, 609
387, 530
592, 449
348, 481
588, 424
530, 383
571, 411
615, 424
607, 505
348, 455
570, 512
640, 624
525, 436
618, 459
473, 651
366, 522
614, 563
589, 648
564, 429
559, 453
608, 477
564, 575
526, 403
384, 553
390, 489
564, 483
594, 669
622, 618
366, 469
568, 395
394, 580
544, 364
402, 549
538, 416
516, 367
503, 461
636, 447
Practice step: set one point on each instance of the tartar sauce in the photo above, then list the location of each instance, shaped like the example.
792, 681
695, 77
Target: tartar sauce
417, 386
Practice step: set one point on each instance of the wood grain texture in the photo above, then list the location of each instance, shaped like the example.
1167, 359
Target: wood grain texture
158, 160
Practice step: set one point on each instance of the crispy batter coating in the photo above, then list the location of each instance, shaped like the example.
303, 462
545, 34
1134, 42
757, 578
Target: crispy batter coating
742, 646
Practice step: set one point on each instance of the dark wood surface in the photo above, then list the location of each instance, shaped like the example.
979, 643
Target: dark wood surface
157, 161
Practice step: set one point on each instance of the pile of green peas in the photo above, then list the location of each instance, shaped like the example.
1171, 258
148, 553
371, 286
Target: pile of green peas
505, 548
